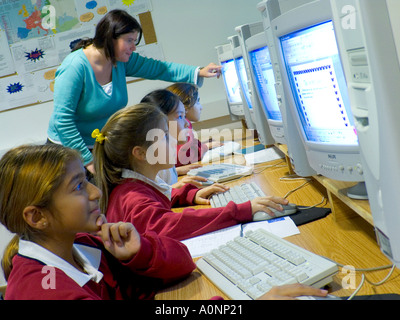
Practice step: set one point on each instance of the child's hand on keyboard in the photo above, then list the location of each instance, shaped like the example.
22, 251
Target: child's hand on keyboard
291, 291
202, 196
264, 203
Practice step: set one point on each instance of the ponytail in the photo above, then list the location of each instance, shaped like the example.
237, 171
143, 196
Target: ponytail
80, 43
9, 253
107, 175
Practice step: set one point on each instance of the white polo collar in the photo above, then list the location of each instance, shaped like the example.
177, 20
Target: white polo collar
159, 183
89, 258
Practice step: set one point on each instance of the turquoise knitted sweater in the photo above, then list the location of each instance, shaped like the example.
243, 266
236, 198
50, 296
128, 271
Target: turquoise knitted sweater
81, 105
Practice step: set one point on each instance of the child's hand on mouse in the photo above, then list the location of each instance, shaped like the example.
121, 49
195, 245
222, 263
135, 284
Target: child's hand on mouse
202, 196
265, 203
121, 239
182, 170
195, 180
291, 291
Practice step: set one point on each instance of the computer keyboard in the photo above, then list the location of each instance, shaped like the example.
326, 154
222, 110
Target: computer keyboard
227, 148
245, 192
249, 266
221, 172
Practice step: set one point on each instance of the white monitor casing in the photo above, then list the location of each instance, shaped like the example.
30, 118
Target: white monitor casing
368, 33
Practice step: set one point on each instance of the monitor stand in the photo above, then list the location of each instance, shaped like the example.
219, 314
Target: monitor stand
358, 192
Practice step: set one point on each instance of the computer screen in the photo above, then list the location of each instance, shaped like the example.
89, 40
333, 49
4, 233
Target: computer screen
242, 75
247, 32
265, 81
296, 152
231, 81
237, 56
368, 33
316, 91
319, 86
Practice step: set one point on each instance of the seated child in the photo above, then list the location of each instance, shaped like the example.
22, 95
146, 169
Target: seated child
46, 200
126, 171
193, 150
173, 108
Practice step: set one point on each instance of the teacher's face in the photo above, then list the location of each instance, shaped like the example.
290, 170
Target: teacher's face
125, 45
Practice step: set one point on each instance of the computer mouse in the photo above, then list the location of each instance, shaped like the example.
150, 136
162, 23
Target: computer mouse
207, 183
287, 210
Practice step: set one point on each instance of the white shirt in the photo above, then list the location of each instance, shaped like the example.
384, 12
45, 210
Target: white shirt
170, 175
108, 88
159, 183
88, 257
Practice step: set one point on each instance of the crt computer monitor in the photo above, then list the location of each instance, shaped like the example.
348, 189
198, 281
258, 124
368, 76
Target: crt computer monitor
245, 32
264, 84
231, 81
295, 147
242, 76
368, 33
314, 79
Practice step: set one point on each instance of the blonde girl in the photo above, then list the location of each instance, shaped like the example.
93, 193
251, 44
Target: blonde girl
193, 150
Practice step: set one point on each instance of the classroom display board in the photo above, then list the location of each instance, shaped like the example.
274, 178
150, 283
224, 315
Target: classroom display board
35, 37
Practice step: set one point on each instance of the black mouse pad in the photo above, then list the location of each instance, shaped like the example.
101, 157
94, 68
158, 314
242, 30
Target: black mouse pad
308, 215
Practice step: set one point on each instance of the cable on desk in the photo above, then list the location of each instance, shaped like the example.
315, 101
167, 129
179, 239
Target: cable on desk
363, 277
384, 279
263, 168
361, 269
294, 190
299, 187
315, 205
254, 173
358, 288
291, 177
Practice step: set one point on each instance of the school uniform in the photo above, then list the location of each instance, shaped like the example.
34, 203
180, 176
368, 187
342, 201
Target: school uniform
148, 206
39, 274
192, 151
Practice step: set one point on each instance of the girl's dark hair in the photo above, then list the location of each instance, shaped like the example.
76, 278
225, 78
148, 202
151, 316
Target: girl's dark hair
162, 98
114, 24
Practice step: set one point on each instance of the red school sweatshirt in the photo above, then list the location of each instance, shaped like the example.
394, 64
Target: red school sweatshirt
148, 209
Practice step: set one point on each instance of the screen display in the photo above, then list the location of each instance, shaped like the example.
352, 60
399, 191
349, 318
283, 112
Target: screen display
241, 72
265, 81
318, 85
231, 81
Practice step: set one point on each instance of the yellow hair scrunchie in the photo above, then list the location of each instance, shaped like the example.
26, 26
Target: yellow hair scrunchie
98, 136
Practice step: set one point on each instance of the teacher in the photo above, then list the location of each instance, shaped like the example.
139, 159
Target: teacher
90, 84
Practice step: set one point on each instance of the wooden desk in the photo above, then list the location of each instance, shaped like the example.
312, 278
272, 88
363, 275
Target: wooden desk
349, 241
341, 204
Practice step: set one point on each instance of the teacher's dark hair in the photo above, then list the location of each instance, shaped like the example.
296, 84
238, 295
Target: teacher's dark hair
114, 24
